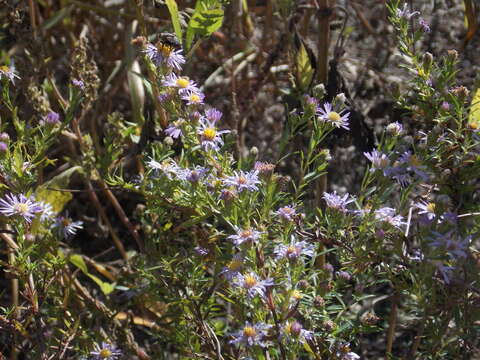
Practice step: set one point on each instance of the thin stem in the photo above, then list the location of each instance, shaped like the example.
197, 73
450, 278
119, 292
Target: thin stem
392, 323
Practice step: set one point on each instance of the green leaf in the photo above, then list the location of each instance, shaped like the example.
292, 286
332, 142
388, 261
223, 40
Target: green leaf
305, 69
173, 9
474, 114
205, 22
77, 260
49, 192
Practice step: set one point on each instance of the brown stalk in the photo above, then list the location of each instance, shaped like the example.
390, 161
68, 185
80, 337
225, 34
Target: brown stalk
392, 323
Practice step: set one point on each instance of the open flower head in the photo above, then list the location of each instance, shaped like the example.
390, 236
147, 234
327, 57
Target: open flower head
8, 73
337, 202
328, 115
287, 213
20, 205
426, 208
241, 180
66, 227
293, 251
182, 83
245, 235
209, 135
251, 335
164, 54
252, 284
387, 215
379, 160
105, 351
233, 268
193, 97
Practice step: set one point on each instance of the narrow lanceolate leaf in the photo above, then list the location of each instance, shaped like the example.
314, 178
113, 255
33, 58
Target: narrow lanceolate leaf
474, 114
173, 9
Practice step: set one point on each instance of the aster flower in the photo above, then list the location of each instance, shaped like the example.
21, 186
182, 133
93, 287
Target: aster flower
3, 147
287, 212
413, 164
193, 98
424, 25
78, 84
251, 335
192, 175
105, 352
342, 352
264, 167
395, 128
209, 135
452, 243
13, 205
252, 284
294, 250
427, 209
201, 251
183, 83
443, 270
293, 331
46, 211
8, 73
328, 115
174, 131
387, 215
406, 13
52, 118
213, 115
337, 202
244, 235
168, 167
243, 180
66, 227
379, 160
163, 54
233, 268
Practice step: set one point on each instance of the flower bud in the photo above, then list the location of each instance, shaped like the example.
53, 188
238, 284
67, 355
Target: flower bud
427, 61
3, 148
319, 91
341, 98
319, 302
168, 141
452, 55
4, 137
394, 129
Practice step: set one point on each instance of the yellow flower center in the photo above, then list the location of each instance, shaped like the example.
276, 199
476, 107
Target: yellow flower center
291, 249
21, 208
246, 233
473, 125
431, 207
209, 133
235, 264
297, 295
105, 353
242, 180
194, 98
249, 331
288, 328
66, 222
333, 116
4, 68
182, 82
164, 49
250, 281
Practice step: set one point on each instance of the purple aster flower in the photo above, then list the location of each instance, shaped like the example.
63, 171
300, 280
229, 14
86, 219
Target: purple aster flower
106, 352
193, 175
213, 115
201, 251
251, 335
326, 114
66, 227
52, 118
443, 270
424, 25
3, 147
405, 13
395, 128
344, 275
183, 83
244, 235
342, 352
46, 211
193, 97
78, 84
4, 137
449, 217
163, 54
379, 160
387, 215
233, 268
293, 251
243, 180
8, 73
252, 284
337, 202
173, 131
413, 164
427, 209
168, 167
287, 212
452, 243
264, 167
293, 331
14, 205
209, 135
445, 106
